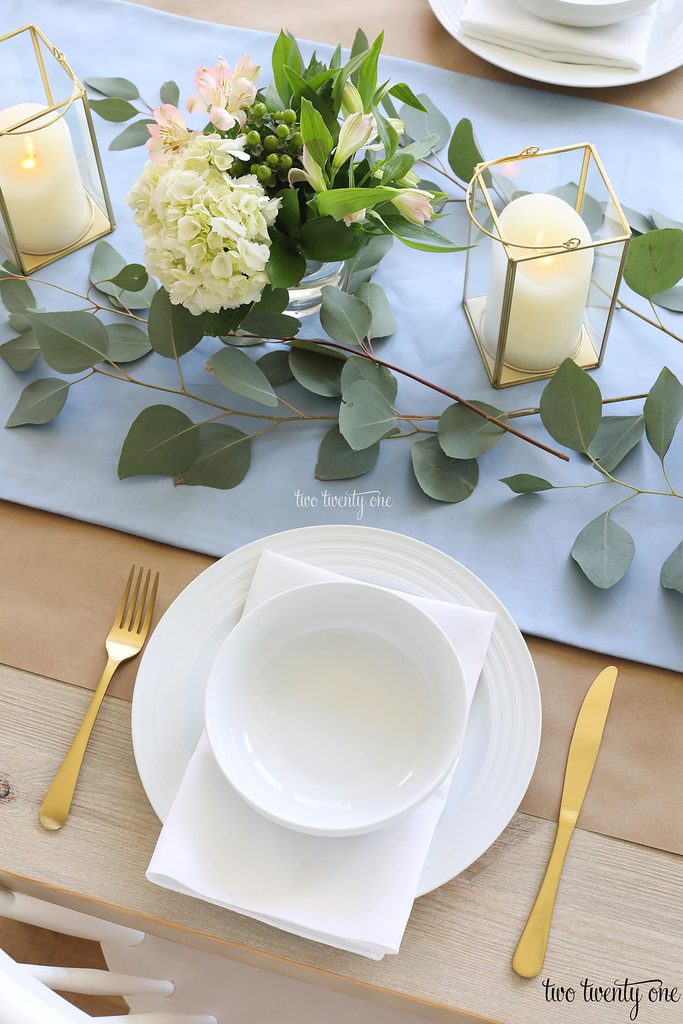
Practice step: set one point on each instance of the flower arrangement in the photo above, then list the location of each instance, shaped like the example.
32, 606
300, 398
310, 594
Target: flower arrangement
308, 170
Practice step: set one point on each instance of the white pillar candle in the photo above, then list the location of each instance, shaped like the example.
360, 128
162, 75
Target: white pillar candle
40, 181
550, 293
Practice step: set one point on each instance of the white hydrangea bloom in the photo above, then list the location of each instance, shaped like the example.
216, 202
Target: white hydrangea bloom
205, 233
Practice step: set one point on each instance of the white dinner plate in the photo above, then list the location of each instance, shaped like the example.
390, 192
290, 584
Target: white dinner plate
664, 53
503, 731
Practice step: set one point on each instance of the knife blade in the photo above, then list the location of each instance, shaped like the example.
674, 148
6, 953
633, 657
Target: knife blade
583, 752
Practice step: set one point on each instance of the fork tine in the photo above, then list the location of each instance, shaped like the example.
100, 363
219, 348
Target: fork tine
150, 607
133, 601
124, 600
141, 602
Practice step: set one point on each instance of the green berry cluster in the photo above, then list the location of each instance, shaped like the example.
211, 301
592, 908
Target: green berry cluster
274, 142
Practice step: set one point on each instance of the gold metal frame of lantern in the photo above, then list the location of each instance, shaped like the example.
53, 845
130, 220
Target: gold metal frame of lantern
482, 194
101, 221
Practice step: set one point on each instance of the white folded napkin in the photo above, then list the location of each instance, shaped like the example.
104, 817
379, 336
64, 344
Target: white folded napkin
354, 893
507, 23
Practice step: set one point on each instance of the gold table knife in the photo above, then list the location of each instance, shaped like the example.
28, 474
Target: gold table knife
583, 752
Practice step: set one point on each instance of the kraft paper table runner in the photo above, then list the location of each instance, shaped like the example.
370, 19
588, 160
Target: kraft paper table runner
64, 578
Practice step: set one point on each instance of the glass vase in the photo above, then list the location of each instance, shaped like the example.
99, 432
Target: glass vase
306, 297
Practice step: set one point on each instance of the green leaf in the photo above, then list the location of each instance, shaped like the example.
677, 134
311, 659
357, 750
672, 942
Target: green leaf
338, 461
126, 343
162, 441
615, 438
289, 215
317, 138
638, 222
173, 330
225, 321
240, 374
359, 368
671, 575
268, 324
604, 551
366, 81
21, 353
285, 266
464, 435
365, 415
285, 54
340, 202
106, 264
527, 483
318, 373
463, 151
170, 93
223, 458
344, 317
655, 262
135, 134
671, 299
591, 212
571, 407
417, 236
660, 220
371, 254
441, 477
275, 367
19, 322
70, 342
40, 402
328, 240
16, 296
383, 322
663, 410
120, 88
406, 95
132, 278
433, 122
360, 44
114, 109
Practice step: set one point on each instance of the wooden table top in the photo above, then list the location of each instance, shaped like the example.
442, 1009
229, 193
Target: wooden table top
620, 909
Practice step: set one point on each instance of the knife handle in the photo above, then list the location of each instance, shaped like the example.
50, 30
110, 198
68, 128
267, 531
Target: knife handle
531, 948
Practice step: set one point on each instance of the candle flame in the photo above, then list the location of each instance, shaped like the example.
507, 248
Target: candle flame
30, 160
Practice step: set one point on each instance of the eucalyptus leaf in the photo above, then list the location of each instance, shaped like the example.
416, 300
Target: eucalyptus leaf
268, 324
21, 353
133, 277
671, 299
671, 575
222, 460
571, 407
441, 477
106, 264
285, 266
616, 437
371, 254
170, 93
359, 368
240, 374
464, 435
660, 220
135, 134
344, 317
114, 109
663, 411
318, 373
127, 343
383, 322
527, 483
275, 367
604, 551
591, 211
225, 321
338, 461
637, 221
19, 322
463, 151
173, 330
16, 295
327, 240
162, 441
365, 415
40, 402
121, 88
419, 124
70, 342
655, 262
289, 214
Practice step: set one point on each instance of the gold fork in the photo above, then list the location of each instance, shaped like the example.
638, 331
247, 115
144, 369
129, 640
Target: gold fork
126, 639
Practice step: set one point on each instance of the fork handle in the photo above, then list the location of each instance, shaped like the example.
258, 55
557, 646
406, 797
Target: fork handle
57, 804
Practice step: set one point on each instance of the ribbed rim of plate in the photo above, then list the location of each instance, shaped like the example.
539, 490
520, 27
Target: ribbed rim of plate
203, 613
667, 50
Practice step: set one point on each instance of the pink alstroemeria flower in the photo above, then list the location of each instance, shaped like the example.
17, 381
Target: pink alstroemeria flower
414, 204
168, 134
312, 173
225, 94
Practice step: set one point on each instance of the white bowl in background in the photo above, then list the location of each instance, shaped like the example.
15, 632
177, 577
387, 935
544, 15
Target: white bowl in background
336, 707
586, 13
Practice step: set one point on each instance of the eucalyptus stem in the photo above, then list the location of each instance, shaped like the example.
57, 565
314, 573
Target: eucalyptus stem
646, 319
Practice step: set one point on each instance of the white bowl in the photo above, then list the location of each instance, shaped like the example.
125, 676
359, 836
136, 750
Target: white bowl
586, 13
336, 707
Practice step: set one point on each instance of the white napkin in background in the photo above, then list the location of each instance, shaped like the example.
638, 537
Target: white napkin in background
507, 23
354, 893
